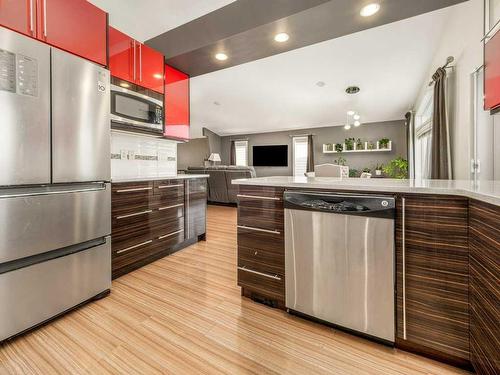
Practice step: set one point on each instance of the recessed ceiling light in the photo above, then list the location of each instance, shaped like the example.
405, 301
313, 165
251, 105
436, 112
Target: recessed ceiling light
320, 84
281, 37
357, 123
352, 90
347, 127
158, 76
356, 117
350, 113
124, 84
370, 9
221, 56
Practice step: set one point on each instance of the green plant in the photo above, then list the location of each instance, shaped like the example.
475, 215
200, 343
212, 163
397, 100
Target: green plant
366, 170
397, 168
359, 145
339, 147
379, 167
370, 145
384, 142
349, 143
340, 161
353, 173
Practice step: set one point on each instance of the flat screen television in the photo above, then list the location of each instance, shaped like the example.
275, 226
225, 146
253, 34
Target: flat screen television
270, 156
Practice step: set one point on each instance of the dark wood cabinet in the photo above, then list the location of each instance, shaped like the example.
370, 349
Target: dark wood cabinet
196, 206
261, 248
484, 290
432, 278
150, 220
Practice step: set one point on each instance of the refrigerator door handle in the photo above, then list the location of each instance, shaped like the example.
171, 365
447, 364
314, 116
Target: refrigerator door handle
67, 191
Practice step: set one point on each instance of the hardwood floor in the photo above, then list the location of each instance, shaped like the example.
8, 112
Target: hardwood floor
184, 315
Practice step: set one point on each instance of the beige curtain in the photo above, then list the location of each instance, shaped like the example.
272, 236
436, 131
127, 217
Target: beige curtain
440, 148
310, 154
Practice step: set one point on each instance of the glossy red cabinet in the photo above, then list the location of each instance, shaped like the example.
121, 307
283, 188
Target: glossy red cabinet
135, 62
176, 103
76, 26
18, 15
492, 73
121, 55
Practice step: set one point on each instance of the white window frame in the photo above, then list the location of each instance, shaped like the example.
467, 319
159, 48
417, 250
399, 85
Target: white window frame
423, 135
241, 151
299, 166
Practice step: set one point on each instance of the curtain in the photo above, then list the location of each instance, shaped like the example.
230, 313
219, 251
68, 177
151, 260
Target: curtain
310, 154
440, 152
233, 153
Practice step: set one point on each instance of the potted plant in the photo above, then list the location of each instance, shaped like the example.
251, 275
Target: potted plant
370, 145
397, 168
378, 169
384, 143
328, 147
366, 170
339, 147
340, 161
349, 144
353, 173
359, 145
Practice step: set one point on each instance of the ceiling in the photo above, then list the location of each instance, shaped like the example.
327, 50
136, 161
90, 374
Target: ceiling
389, 63
145, 19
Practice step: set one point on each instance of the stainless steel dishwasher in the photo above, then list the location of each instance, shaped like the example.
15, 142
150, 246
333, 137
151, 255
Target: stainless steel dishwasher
339, 260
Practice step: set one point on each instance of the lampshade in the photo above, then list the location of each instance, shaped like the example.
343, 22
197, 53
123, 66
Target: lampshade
214, 157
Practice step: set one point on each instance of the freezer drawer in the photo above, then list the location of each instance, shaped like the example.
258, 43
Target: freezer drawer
37, 220
80, 120
24, 110
38, 292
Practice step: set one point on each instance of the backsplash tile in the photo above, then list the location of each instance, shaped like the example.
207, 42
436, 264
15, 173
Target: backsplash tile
135, 156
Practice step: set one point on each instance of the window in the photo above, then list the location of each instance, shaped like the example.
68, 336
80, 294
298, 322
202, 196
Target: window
241, 148
299, 156
423, 137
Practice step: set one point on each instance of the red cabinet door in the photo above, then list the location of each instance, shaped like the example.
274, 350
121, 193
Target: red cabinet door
150, 68
18, 15
121, 55
76, 26
176, 103
492, 73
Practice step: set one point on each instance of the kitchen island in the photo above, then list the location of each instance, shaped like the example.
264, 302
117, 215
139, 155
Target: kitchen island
447, 248
155, 216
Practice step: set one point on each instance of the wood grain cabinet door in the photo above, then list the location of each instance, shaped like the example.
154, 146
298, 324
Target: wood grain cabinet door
432, 257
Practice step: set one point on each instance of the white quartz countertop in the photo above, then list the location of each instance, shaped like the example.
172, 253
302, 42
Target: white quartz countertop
176, 177
486, 191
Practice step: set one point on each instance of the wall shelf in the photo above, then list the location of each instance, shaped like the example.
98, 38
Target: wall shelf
365, 149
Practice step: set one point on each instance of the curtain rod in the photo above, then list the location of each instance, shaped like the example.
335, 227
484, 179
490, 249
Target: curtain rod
300, 135
449, 60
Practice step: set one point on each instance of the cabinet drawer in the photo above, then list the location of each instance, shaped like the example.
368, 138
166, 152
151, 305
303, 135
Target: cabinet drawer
169, 239
256, 238
171, 188
252, 192
128, 190
270, 285
266, 261
265, 211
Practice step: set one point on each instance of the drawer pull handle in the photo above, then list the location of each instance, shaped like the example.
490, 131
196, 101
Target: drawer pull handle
169, 186
258, 197
171, 234
134, 247
134, 189
259, 230
274, 277
167, 207
134, 214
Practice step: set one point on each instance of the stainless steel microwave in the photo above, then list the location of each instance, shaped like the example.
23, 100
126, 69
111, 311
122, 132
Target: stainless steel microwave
136, 109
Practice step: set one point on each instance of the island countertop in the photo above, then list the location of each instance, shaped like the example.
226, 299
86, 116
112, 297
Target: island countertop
486, 191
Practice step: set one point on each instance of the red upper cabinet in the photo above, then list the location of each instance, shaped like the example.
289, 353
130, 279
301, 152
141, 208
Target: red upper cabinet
121, 55
150, 68
19, 15
135, 62
176, 103
76, 26
492, 73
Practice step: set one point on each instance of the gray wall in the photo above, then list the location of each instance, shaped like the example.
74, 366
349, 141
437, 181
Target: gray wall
192, 153
214, 141
394, 130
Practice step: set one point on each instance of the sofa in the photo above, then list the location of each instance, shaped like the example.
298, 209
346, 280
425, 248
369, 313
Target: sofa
220, 187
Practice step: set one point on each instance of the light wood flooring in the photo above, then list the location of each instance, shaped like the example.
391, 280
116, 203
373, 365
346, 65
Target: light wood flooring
184, 315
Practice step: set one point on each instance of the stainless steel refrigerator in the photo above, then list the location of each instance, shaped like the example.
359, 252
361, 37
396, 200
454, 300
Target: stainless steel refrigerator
55, 209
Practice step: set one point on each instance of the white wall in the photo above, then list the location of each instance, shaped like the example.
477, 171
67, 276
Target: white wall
135, 156
462, 40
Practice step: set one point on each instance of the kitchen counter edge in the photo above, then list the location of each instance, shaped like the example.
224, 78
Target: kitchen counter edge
158, 178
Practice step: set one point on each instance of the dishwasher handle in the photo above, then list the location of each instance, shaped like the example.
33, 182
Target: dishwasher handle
341, 204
